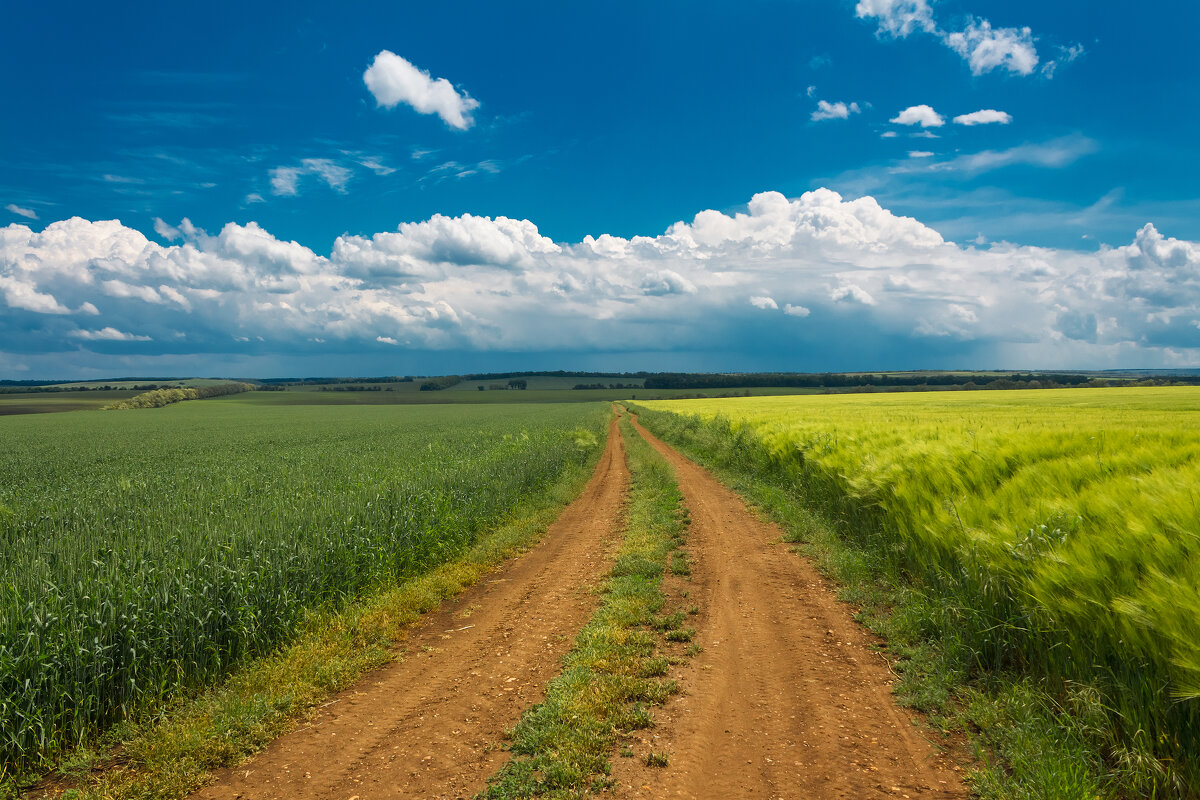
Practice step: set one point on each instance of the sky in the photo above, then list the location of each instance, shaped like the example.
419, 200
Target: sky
400, 188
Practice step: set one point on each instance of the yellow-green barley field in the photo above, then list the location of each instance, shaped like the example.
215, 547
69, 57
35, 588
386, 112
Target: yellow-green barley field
1067, 520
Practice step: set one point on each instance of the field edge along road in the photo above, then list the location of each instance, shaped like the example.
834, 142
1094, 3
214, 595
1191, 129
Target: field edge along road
787, 699
430, 724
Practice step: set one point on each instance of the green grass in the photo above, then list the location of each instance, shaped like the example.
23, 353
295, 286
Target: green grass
1022, 551
563, 746
146, 556
170, 754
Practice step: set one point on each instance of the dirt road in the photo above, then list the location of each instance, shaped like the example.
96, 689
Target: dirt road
786, 700
429, 726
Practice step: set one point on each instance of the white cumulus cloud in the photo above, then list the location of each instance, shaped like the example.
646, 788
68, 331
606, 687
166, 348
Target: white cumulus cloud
897, 17
875, 279
922, 115
984, 116
852, 294
392, 80
982, 46
986, 48
838, 110
765, 303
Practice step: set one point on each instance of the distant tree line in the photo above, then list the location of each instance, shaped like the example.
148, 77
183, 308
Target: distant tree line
495, 376
143, 379
54, 388
437, 384
354, 388
609, 386
685, 380
328, 381
165, 397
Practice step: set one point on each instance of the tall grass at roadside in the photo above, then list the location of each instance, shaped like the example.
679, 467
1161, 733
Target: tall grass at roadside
146, 555
1053, 535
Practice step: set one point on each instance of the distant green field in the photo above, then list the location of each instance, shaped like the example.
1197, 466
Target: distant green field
130, 384
387, 394
47, 402
148, 550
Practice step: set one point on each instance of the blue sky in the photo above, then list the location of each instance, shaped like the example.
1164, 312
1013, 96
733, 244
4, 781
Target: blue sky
392, 188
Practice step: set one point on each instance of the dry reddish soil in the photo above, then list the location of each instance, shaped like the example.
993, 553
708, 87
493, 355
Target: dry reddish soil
430, 726
787, 699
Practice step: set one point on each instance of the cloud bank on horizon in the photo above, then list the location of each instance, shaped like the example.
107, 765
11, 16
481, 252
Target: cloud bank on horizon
786, 275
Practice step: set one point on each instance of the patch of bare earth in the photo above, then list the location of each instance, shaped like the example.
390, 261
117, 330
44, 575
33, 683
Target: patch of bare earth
787, 699
431, 724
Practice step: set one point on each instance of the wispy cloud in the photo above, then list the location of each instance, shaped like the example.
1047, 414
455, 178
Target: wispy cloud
28, 213
1066, 54
1055, 153
185, 78
165, 119
1052, 154
376, 165
457, 169
285, 181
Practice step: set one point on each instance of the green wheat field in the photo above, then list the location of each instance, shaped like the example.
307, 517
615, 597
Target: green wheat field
147, 553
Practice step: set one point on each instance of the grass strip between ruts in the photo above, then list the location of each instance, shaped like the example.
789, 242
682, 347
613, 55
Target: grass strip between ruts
562, 747
172, 754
